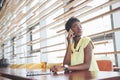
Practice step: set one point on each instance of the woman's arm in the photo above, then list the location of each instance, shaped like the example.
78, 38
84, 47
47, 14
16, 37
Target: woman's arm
87, 59
67, 57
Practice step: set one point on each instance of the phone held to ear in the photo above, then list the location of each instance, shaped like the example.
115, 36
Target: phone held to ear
72, 35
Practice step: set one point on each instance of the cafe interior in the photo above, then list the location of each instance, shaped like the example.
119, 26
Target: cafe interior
33, 38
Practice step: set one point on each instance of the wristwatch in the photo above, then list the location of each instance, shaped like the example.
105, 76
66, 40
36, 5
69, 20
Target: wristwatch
66, 68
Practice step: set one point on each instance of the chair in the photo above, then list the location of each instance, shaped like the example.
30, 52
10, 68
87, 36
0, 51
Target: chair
105, 65
35, 66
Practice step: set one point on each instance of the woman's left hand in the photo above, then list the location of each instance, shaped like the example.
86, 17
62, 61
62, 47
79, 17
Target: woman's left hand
57, 68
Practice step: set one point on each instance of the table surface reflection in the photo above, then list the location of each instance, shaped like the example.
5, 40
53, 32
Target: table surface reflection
21, 74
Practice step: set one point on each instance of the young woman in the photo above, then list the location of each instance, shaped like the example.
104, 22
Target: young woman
79, 54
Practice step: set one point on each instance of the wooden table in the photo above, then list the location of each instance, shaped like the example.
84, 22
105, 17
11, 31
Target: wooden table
20, 74
4, 78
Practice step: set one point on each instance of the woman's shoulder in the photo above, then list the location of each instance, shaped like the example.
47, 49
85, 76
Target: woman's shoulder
86, 41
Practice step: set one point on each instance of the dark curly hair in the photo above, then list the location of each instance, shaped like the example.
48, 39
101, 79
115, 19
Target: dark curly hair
70, 22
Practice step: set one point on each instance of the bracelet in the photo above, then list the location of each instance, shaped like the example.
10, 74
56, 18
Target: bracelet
66, 68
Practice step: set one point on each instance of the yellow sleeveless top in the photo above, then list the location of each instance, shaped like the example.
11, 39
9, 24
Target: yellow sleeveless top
77, 56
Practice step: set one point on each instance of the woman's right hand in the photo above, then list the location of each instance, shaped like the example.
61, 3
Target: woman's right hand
69, 37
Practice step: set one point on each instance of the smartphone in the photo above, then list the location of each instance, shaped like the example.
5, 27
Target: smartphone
72, 35
72, 32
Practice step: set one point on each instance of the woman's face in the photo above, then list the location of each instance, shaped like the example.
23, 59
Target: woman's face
76, 28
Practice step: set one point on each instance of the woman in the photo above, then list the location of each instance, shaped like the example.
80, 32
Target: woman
79, 54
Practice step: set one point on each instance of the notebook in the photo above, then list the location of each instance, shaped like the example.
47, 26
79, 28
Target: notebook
35, 73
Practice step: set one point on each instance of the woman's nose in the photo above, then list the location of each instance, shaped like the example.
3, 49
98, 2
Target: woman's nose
79, 28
